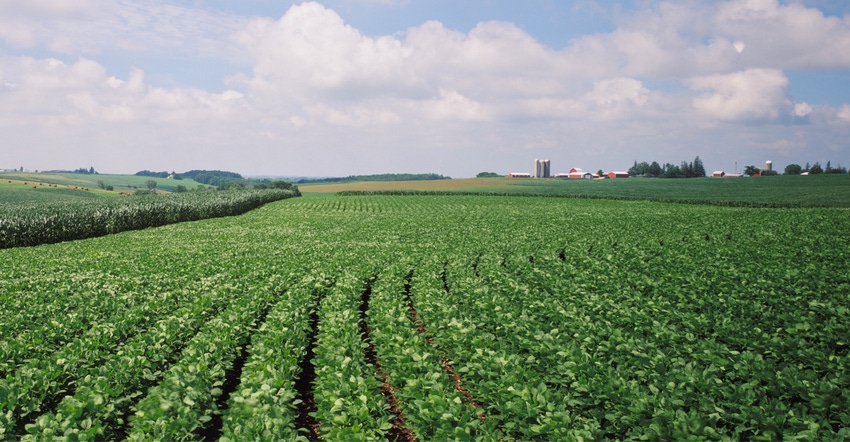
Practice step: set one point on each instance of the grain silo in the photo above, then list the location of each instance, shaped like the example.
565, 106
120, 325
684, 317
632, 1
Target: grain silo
768, 165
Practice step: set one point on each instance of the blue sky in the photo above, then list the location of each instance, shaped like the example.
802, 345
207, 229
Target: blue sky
345, 87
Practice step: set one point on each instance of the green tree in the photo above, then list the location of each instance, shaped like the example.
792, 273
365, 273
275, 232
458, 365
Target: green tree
232, 186
838, 169
672, 171
654, 169
633, 170
751, 170
816, 169
641, 169
687, 169
150, 184
487, 175
698, 168
180, 188
793, 169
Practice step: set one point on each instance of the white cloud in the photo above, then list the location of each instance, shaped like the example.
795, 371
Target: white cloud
701, 37
51, 8
785, 36
82, 92
802, 109
310, 50
613, 97
453, 105
753, 94
314, 86
354, 116
311, 54
98, 26
843, 113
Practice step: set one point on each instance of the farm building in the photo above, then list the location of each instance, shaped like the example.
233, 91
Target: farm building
577, 173
519, 175
718, 174
562, 175
541, 168
614, 174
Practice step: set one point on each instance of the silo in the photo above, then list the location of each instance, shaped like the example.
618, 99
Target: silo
768, 165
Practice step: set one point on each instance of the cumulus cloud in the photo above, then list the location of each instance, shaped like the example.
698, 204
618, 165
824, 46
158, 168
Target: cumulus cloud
311, 62
843, 113
81, 92
701, 37
753, 94
666, 73
310, 50
785, 36
612, 97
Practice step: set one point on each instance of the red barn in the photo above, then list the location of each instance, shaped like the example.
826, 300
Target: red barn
614, 174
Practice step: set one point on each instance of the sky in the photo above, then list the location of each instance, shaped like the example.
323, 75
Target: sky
355, 87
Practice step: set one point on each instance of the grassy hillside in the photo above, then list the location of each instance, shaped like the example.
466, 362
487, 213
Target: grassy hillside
19, 190
119, 183
778, 191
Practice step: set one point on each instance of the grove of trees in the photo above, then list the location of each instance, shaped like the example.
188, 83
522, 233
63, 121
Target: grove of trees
814, 169
692, 169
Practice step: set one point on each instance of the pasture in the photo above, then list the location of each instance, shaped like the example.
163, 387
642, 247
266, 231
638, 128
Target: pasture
119, 183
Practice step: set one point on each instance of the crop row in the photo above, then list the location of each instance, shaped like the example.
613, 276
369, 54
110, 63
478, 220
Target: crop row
46, 223
430, 318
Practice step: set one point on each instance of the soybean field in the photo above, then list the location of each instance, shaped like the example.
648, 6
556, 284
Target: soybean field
435, 317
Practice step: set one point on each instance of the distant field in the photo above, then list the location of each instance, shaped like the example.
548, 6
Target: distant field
12, 191
779, 191
120, 183
482, 184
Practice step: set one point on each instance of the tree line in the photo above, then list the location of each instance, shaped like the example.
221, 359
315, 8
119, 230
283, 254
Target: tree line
380, 177
222, 180
693, 169
815, 169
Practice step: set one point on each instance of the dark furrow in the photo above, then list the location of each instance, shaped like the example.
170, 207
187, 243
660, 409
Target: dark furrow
444, 277
305, 422
233, 376
399, 432
444, 360
475, 265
